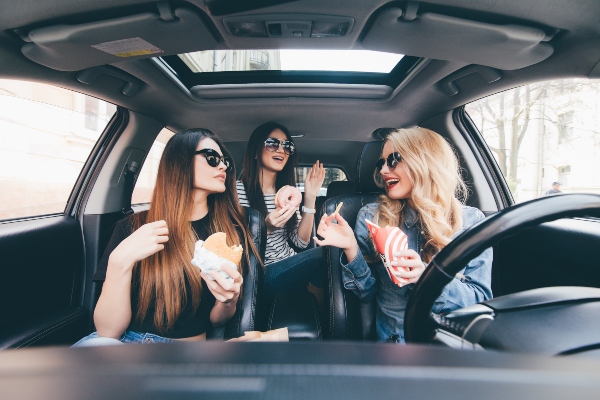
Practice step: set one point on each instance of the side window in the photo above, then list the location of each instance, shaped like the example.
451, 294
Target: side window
544, 136
331, 174
142, 193
46, 135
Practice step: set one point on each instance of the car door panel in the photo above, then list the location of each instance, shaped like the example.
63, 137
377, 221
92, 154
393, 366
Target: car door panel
41, 263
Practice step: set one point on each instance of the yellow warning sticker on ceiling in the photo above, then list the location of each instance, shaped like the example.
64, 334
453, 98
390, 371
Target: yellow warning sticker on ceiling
128, 47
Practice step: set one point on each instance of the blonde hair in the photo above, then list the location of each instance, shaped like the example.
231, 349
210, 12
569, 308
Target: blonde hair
433, 169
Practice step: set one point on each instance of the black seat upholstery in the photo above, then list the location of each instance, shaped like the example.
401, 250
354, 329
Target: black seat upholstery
335, 188
298, 312
251, 313
339, 188
348, 317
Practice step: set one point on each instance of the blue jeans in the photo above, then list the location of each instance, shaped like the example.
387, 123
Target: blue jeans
296, 272
128, 337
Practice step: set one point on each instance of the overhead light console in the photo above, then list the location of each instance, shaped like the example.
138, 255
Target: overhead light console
288, 26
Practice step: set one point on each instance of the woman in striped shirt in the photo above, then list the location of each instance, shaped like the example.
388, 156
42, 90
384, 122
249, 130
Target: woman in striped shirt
269, 164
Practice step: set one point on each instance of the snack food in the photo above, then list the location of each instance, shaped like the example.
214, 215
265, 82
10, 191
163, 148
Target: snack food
337, 209
275, 335
213, 252
389, 240
288, 195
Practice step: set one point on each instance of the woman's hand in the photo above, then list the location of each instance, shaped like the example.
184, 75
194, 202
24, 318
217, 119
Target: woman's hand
338, 235
225, 291
279, 217
313, 183
145, 241
411, 266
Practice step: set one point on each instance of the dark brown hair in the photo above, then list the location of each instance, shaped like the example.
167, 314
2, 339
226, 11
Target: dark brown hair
253, 168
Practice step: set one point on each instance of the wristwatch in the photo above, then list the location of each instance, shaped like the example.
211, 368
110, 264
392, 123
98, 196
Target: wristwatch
308, 210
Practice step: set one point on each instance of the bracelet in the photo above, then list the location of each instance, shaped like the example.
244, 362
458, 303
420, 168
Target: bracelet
308, 210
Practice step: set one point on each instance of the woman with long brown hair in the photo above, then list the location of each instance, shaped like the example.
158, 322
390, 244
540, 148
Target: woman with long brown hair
151, 291
424, 189
269, 164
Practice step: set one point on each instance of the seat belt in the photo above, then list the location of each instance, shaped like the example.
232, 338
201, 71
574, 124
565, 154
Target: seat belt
130, 170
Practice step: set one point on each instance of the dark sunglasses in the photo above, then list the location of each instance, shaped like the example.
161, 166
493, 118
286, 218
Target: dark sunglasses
392, 160
272, 144
213, 158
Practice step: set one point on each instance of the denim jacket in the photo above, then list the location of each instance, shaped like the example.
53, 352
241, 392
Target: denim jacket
368, 280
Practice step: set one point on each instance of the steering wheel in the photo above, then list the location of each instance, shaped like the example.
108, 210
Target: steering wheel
419, 326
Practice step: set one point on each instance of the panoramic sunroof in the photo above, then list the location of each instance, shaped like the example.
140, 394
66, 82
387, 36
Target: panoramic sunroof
290, 66
290, 60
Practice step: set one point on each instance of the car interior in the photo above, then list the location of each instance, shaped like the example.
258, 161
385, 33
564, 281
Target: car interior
145, 60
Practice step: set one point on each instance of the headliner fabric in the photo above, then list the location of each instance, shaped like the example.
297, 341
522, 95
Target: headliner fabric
455, 39
76, 47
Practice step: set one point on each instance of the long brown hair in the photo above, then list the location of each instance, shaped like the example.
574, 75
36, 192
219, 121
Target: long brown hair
162, 275
253, 168
438, 189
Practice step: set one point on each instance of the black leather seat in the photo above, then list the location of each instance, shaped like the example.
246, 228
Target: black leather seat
348, 317
251, 313
335, 188
339, 188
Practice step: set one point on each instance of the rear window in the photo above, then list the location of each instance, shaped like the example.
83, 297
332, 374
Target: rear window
332, 174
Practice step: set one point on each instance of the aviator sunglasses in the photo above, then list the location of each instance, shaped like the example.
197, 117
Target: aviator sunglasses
213, 158
272, 144
392, 160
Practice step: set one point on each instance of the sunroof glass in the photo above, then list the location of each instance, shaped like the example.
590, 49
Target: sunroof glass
290, 60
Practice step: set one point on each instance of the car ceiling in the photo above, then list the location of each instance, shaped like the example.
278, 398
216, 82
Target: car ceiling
576, 53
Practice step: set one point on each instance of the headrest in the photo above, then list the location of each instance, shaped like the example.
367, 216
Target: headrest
338, 188
365, 167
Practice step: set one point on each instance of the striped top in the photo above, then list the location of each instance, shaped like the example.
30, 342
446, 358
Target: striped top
277, 241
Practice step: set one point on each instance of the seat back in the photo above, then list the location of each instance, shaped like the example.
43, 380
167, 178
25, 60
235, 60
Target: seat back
335, 189
250, 314
345, 314
348, 317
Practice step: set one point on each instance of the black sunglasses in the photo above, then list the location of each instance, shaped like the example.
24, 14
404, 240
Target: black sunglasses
213, 158
272, 144
392, 160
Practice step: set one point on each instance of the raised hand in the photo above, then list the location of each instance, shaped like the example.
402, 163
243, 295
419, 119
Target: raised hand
314, 181
225, 291
145, 241
338, 235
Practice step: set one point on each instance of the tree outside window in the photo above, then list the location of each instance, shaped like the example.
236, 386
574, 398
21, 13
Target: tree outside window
541, 132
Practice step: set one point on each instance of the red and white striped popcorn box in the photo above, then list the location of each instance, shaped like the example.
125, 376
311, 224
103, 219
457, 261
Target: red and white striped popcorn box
387, 241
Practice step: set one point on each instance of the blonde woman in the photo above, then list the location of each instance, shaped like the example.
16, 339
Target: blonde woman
421, 177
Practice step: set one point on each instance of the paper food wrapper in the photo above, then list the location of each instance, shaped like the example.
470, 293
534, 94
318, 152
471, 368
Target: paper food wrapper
275, 335
387, 241
207, 261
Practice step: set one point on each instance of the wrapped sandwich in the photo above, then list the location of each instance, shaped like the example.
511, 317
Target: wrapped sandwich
213, 252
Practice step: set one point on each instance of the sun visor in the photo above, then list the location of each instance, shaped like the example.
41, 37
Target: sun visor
76, 47
449, 38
